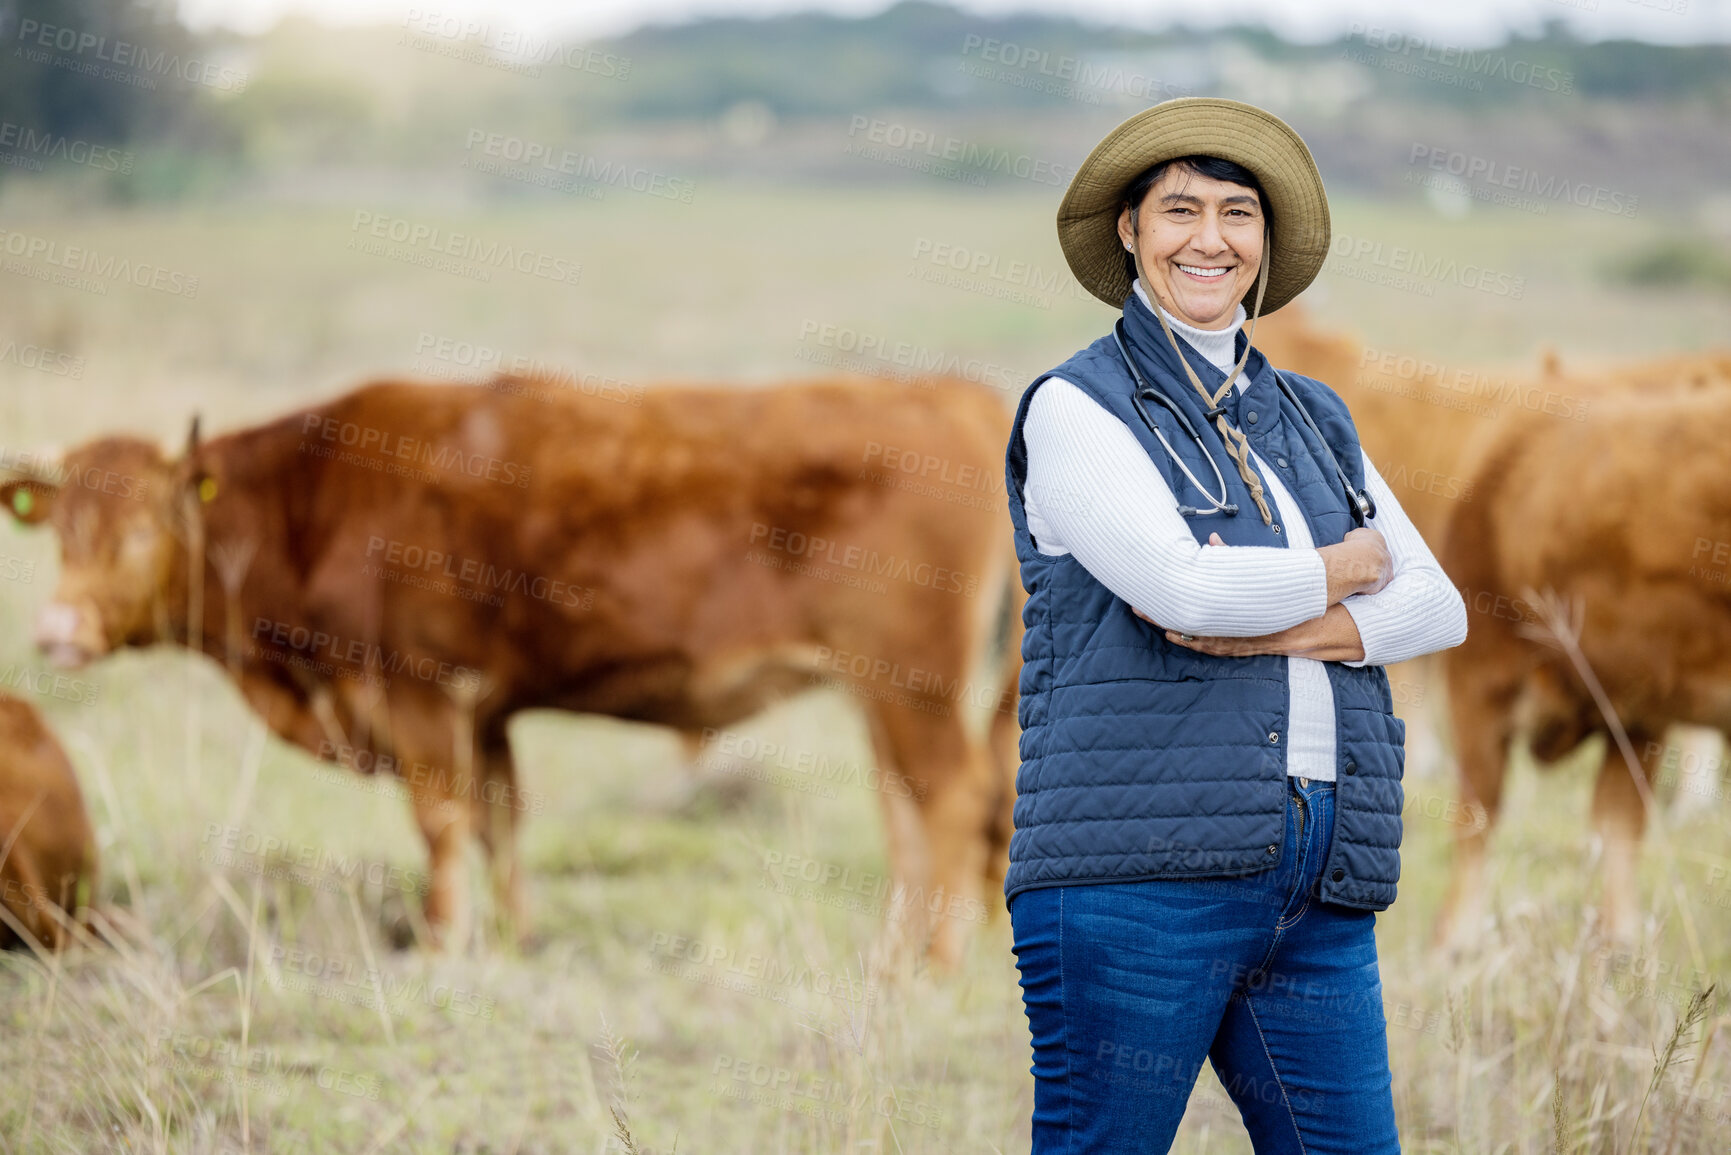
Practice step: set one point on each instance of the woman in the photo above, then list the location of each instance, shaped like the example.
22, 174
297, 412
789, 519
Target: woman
1208, 805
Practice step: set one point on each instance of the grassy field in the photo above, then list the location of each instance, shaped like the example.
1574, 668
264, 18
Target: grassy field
669, 995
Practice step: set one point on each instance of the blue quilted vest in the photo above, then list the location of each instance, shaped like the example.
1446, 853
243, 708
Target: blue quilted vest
1142, 759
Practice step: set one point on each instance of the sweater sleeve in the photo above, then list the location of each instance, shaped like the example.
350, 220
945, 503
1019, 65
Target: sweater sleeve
1419, 611
1101, 499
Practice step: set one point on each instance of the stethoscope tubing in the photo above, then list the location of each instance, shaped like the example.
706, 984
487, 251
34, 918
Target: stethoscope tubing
1358, 500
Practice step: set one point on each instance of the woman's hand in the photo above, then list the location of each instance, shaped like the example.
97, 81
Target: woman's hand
1333, 637
1359, 563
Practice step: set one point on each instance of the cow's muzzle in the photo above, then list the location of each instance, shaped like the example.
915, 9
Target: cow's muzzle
57, 636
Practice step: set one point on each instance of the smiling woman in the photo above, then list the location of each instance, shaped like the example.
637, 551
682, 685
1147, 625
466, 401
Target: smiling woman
1201, 236
1206, 699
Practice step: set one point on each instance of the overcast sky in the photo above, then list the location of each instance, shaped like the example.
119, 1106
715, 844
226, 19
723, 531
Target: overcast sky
1467, 22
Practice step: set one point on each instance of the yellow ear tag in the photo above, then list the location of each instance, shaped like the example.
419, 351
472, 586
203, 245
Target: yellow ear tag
23, 501
207, 489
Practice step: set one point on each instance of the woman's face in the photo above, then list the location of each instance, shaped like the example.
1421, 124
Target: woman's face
1188, 225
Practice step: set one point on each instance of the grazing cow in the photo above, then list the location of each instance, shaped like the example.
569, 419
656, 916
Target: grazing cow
1620, 514
47, 849
391, 575
1431, 426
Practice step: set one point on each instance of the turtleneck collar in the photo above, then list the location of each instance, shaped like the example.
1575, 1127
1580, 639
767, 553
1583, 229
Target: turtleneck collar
1218, 345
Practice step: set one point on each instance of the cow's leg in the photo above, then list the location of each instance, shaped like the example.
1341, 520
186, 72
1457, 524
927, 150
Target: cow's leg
424, 731
958, 818
1619, 818
939, 809
899, 798
1482, 729
498, 807
445, 824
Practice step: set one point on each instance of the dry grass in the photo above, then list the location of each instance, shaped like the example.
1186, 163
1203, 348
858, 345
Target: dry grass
603, 1034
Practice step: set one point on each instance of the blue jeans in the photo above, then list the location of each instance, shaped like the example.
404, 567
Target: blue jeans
1129, 986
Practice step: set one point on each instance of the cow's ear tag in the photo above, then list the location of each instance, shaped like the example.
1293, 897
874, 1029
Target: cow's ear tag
23, 501
207, 489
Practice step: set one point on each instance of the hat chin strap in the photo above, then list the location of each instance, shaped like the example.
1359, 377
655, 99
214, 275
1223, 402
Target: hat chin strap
1237, 446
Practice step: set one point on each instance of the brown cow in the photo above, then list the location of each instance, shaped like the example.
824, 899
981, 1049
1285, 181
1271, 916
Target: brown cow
391, 575
48, 862
1621, 514
1425, 420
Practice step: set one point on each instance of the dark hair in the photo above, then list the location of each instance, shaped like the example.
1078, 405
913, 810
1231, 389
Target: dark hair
1212, 167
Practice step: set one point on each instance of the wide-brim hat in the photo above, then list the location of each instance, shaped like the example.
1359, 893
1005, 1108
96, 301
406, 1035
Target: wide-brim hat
1198, 126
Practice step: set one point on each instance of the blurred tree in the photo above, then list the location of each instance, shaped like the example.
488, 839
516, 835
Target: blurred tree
55, 94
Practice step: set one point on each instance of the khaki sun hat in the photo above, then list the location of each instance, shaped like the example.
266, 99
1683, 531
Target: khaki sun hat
1198, 126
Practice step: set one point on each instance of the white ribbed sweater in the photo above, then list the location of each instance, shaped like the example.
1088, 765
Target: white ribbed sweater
1092, 491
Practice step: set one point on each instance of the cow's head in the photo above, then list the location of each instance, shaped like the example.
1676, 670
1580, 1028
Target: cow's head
119, 508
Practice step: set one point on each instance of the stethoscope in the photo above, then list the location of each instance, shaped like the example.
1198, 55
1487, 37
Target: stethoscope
1363, 508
